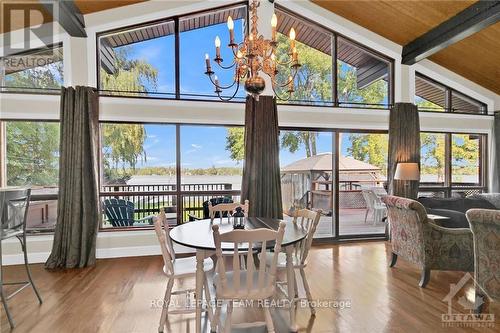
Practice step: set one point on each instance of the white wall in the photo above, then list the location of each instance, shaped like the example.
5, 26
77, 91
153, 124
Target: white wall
80, 68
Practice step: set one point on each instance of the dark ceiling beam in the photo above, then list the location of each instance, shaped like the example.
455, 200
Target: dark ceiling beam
68, 15
469, 21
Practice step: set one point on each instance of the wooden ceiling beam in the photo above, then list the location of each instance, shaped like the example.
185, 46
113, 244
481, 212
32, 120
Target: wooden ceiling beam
467, 22
68, 15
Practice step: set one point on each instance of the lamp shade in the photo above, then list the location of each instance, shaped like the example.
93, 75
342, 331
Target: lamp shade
407, 171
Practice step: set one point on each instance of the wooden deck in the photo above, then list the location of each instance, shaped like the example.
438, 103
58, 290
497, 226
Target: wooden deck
119, 295
351, 222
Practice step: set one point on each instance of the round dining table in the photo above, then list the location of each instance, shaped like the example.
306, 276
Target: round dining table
198, 235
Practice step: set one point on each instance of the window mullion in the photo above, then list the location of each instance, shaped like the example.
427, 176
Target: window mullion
447, 165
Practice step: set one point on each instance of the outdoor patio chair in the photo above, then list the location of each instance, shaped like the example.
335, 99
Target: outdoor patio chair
120, 213
374, 205
14, 204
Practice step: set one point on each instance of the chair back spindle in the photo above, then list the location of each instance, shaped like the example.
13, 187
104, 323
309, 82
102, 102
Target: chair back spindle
167, 251
226, 209
307, 220
257, 282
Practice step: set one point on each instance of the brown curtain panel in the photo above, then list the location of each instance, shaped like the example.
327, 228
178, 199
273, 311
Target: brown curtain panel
495, 174
404, 146
78, 207
261, 172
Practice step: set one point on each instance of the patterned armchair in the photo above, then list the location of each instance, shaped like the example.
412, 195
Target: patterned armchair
485, 226
417, 239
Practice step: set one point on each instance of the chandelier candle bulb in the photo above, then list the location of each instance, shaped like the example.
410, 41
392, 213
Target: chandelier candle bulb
250, 44
217, 47
230, 26
274, 23
292, 38
207, 62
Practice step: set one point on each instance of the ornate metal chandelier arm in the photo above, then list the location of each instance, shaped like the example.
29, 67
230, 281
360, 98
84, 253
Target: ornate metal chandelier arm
227, 67
229, 98
279, 96
275, 82
219, 87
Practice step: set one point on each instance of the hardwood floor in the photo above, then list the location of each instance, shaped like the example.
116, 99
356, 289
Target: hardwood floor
119, 295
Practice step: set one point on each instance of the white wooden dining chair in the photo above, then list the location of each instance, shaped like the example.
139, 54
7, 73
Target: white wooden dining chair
226, 209
249, 284
178, 268
308, 220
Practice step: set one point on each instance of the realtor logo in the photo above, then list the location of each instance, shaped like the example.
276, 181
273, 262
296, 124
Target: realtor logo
472, 318
34, 15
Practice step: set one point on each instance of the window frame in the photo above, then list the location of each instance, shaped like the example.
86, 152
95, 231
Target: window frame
448, 108
178, 96
178, 193
448, 188
175, 19
35, 90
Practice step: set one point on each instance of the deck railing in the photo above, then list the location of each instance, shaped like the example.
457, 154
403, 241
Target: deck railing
149, 198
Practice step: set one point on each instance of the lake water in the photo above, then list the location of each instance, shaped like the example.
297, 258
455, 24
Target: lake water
235, 181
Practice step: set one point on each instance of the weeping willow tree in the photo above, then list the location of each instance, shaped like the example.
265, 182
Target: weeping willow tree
123, 144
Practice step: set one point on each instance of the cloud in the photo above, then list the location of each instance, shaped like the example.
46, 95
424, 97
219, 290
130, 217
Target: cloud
195, 146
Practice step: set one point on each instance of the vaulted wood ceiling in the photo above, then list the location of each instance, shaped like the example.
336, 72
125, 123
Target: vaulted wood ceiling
476, 58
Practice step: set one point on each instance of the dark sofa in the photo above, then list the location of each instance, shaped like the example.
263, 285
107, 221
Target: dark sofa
454, 208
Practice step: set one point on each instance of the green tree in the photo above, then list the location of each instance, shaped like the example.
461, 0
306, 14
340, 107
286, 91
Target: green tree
235, 143
134, 75
370, 148
32, 153
49, 76
123, 144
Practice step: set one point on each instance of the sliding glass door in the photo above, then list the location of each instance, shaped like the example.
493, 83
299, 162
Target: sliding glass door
362, 173
307, 175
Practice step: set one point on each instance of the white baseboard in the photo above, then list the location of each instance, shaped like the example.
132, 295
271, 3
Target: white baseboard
103, 253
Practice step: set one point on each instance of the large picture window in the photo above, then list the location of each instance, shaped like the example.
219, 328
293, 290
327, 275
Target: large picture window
32, 160
141, 172
39, 71
138, 173
138, 61
141, 61
452, 164
314, 81
431, 95
363, 78
196, 38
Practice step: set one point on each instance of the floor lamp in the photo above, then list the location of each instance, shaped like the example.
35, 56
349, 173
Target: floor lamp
407, 172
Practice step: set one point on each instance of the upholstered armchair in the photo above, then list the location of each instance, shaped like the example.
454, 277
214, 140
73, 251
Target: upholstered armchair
419, 240
485, 226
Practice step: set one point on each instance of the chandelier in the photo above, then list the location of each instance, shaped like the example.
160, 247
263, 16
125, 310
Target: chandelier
253, 56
